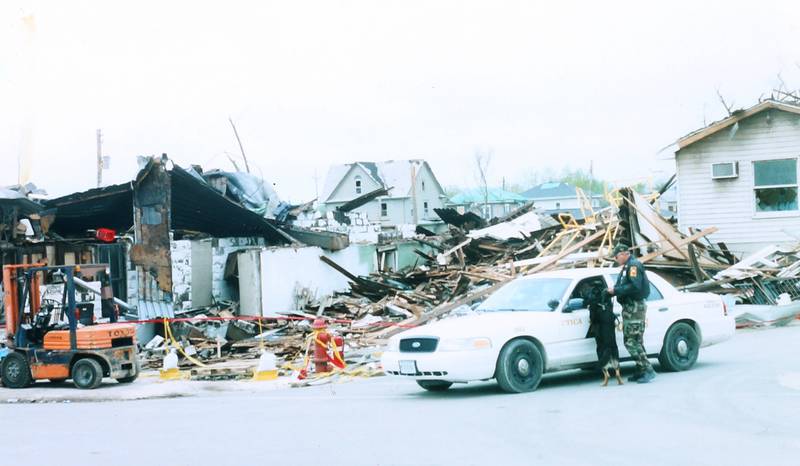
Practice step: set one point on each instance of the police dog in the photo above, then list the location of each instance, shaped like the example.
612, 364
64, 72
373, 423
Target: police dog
602, 325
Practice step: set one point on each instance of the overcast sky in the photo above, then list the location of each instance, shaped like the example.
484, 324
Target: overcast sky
543, 85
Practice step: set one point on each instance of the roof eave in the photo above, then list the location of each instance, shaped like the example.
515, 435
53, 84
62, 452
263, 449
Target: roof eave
714, 128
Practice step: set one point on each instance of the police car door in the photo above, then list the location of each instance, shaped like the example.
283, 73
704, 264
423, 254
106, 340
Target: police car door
657, 320
576, 345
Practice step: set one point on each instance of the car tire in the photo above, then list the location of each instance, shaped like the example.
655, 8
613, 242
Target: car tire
434, 385
87, 374
519, 367
681, 347
16, 373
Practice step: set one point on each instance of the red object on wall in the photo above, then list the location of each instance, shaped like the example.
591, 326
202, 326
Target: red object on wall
106, 235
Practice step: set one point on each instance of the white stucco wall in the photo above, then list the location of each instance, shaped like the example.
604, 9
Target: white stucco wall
284, 269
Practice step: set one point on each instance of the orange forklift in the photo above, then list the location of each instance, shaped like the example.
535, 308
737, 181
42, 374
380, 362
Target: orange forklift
42, 346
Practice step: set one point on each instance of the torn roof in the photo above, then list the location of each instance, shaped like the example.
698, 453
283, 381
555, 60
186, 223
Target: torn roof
109, 207
15, 199
195, 206
734, 118
391, 173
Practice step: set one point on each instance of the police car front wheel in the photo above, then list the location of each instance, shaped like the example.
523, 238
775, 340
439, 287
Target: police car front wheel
519, 367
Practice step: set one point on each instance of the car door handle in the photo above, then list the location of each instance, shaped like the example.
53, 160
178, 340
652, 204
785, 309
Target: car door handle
663, 309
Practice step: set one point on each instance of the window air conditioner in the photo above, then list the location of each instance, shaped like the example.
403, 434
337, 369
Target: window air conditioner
724, 170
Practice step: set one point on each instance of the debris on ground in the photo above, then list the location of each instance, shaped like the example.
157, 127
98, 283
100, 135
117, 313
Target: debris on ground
470, 261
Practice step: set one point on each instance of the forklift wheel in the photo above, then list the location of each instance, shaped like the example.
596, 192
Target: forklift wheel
87, 374
15, 371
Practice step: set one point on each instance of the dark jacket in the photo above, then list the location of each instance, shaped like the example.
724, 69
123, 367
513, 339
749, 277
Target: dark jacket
632, 284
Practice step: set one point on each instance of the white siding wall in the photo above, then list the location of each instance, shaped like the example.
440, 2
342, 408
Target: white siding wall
431, 194
346, 191
730, 204
563, 203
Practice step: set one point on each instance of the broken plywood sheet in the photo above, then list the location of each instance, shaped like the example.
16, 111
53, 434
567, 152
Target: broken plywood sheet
517, 228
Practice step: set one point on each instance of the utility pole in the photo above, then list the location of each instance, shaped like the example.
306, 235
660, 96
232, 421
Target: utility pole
415, 216
99, 158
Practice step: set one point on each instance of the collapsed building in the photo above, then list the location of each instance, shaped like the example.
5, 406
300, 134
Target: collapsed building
221, 252
180, 239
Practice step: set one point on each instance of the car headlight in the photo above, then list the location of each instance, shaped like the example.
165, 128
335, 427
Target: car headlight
462, 344
393, 345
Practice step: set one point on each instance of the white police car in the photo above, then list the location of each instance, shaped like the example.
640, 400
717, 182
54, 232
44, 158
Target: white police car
538, 324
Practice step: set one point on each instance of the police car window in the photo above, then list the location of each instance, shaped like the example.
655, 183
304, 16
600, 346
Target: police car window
654, 295
582, 288
535, 294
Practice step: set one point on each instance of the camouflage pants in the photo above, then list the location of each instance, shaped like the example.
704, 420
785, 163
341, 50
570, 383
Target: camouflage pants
633, 319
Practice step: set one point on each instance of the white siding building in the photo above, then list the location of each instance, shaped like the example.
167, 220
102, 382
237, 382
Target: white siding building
741, 175
415, 191
557, 197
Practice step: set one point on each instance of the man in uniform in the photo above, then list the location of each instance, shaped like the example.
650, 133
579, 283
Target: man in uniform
631, 290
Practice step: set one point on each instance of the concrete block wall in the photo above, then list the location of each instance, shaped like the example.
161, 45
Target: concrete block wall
221, 248
181, 253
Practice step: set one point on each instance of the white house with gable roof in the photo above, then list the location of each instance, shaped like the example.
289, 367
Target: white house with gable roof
414, 192
740, 174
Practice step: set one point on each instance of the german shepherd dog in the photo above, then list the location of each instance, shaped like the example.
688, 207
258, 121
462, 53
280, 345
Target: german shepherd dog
602, 325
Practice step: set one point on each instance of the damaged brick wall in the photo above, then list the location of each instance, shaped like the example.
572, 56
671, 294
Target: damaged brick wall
150, 253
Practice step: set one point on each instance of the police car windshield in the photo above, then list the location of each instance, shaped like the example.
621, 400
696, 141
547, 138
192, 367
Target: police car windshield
537, 294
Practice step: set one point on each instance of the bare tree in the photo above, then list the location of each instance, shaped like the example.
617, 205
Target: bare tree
482, 161
725, 104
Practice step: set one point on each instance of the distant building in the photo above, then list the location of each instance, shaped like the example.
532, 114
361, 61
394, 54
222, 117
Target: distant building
740, 175
668, 202
498, 202
559, 197
415, 191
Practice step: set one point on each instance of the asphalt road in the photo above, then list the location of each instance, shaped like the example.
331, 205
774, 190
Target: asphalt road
739, 406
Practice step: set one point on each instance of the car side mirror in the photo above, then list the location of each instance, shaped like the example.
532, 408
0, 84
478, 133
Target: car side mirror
574, 304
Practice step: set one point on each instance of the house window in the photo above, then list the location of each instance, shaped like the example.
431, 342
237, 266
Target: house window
358, 185
384, 209
425, 208
775, 185
558, 205
423, 185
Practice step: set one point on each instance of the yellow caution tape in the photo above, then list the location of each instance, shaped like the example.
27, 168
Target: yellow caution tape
171, 339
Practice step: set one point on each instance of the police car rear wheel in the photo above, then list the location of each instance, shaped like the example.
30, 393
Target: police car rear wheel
681, 348
519, 367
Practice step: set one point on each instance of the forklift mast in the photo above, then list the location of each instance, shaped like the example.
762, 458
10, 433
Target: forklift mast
22, 284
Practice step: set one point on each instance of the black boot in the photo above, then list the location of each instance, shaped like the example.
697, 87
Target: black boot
636, 376
647, 376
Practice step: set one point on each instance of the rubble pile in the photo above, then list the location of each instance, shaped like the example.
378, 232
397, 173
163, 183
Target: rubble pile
475, 258
765, 286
